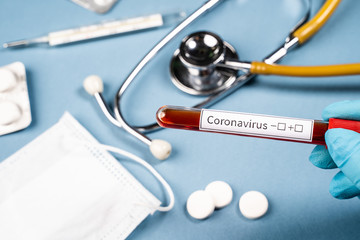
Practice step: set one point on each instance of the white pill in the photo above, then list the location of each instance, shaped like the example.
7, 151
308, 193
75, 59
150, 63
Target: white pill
9, 113
7, 80
200, 204
253, 204
221, 193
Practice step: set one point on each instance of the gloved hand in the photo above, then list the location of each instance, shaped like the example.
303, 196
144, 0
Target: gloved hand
343, 151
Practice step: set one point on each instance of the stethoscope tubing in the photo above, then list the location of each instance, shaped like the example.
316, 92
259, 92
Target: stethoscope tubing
139, 132
302, 31
117, 107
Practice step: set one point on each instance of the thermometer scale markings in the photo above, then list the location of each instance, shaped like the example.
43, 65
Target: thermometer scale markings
105, 29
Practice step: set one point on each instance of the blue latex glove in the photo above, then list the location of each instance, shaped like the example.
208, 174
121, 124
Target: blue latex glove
343, 151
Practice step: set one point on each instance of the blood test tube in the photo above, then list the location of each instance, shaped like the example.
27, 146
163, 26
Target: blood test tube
249, 124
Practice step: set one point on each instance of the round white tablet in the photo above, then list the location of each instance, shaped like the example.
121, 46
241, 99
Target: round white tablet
9, 112
221, 193
253, 204
200, 204
7, 80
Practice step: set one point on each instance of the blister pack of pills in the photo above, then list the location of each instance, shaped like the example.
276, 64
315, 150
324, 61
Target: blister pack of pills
98, 6
15, 113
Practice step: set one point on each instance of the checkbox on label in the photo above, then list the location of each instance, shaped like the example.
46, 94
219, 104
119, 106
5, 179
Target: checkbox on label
299, 128
281, 126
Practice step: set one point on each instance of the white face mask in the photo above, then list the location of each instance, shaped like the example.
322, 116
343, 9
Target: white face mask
64, 185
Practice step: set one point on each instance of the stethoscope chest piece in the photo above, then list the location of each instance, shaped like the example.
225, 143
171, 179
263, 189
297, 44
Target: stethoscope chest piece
193, 66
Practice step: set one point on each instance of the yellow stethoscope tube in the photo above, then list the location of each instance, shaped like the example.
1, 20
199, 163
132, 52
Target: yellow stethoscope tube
305, 71
310, 28
303, 34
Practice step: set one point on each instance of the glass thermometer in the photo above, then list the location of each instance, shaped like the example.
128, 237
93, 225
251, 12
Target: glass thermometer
105, 29
248, 124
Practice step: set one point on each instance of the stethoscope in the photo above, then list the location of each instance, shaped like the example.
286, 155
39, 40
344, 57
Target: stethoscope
206, 65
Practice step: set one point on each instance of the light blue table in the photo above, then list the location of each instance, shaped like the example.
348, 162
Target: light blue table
300, 205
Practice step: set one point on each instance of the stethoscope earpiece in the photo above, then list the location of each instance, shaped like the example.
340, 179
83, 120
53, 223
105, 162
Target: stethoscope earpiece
194, 68
93, 84
160, 149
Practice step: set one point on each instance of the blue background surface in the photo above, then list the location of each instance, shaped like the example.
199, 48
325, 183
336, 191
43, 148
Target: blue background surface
300, 204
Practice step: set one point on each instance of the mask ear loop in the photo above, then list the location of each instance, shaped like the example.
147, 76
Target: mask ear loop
152, 170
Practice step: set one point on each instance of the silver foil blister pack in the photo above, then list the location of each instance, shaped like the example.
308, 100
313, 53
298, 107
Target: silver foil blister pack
15, 113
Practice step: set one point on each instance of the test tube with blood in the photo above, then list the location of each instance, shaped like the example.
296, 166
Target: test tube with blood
248, 124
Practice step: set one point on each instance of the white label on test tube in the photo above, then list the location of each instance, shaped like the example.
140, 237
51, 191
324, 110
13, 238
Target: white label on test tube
257, 125
105, 29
